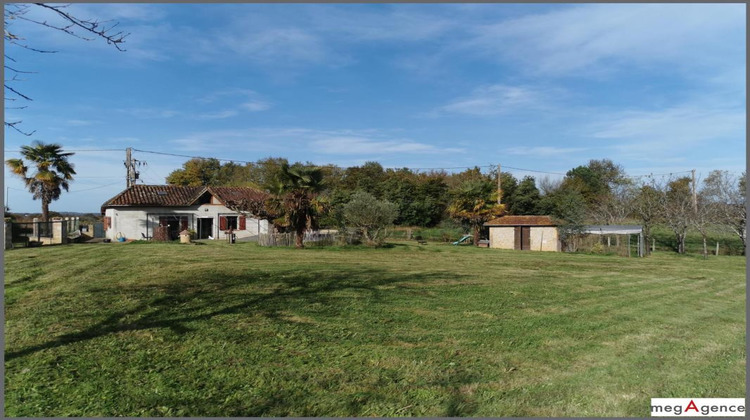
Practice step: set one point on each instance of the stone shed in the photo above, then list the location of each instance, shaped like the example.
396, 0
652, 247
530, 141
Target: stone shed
527, 233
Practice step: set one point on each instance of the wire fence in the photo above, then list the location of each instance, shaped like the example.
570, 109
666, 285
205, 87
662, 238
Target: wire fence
310, 238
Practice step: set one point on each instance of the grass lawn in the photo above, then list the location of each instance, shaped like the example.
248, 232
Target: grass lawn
435, 330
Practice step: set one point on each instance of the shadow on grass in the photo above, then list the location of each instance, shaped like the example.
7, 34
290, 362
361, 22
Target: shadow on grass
175, 305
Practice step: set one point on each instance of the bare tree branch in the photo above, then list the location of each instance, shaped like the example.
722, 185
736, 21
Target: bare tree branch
13, 126
95, 27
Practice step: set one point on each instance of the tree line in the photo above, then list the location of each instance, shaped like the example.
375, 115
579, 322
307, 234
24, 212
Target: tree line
370, 196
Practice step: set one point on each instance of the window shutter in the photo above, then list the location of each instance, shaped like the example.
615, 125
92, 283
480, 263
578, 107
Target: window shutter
243, 226
222, 223
107, 222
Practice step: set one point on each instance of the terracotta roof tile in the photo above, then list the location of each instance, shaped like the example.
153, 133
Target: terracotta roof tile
236, 194
175, 195
522, 221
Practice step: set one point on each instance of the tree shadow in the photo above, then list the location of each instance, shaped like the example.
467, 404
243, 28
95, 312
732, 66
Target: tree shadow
176, 305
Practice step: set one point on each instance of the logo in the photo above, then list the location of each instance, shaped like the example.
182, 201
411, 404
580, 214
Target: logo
697, 407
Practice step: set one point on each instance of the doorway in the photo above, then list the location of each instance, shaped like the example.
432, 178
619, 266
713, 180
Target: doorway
522, 238
205, 227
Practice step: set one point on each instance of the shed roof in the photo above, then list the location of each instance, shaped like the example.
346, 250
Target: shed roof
522, 221
177, 195
613, 229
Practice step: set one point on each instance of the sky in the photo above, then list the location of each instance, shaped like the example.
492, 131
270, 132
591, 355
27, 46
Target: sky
537, 88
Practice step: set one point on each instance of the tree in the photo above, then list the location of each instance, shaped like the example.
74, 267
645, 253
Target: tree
296, 189
508, 185
726, 194
196, 172
569, 207
68, 24
704, 217
370, 215
615, 206
677, 208
53, 172
475, 203
525, 198
647, 204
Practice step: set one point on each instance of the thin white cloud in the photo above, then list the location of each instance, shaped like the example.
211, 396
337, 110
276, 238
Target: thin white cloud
79, 123
684, 124
217, 115
543, 151
150, 113
240, 99
322, 143
599, 37
254, 106
496, 99
338, 145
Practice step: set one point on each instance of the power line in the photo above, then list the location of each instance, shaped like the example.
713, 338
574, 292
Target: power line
95, 188
191, 157
76, 150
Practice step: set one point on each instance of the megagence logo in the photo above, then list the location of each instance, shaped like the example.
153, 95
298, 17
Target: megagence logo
698, 407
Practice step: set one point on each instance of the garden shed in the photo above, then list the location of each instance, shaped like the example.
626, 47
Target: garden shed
528, 233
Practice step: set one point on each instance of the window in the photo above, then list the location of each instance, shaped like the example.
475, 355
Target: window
228, 222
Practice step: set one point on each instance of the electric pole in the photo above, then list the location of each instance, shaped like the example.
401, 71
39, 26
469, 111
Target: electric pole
695, 197
132, 175
499, 186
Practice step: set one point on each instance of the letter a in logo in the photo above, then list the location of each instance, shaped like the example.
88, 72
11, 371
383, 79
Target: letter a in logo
691, 406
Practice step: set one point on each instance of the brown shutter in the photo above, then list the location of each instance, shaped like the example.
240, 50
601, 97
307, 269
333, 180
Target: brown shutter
107, 222
243, 226
222, 223
517, 237
183, 223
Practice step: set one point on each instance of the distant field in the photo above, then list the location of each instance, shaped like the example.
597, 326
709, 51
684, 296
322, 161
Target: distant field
435, 330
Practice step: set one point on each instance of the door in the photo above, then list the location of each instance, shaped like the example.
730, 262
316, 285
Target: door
98, 230
522, 238
205, 227
526, 238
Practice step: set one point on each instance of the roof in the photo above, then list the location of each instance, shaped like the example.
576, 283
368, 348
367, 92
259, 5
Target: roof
613, 229
177, 195
236, 194
522, 221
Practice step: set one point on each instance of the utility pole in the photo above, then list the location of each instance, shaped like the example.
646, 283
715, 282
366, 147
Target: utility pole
132, 175
695, 197
499, 186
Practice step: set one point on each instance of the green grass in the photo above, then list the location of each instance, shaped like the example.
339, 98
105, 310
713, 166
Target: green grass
435, 330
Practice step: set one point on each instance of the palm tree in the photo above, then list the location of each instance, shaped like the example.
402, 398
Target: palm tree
296, 189
475, 204
53, 172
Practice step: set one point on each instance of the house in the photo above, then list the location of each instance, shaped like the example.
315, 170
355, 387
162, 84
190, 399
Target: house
137, 211
533, 233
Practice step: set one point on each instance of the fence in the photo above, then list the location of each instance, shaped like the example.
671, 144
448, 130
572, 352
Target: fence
30, 233
310, 239
56, 231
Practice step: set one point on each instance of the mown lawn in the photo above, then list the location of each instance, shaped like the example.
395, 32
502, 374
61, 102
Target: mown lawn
435, 330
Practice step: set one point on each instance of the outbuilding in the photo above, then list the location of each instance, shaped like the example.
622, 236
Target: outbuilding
528, 233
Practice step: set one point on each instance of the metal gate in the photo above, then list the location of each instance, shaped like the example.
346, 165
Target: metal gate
98, 230
25, 234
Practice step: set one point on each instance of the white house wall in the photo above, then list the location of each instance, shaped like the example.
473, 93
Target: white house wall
544, 239
501, 237
131, 222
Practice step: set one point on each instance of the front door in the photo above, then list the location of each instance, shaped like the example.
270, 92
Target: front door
205, 227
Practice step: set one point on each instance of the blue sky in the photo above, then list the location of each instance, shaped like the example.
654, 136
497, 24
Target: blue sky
657, 88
